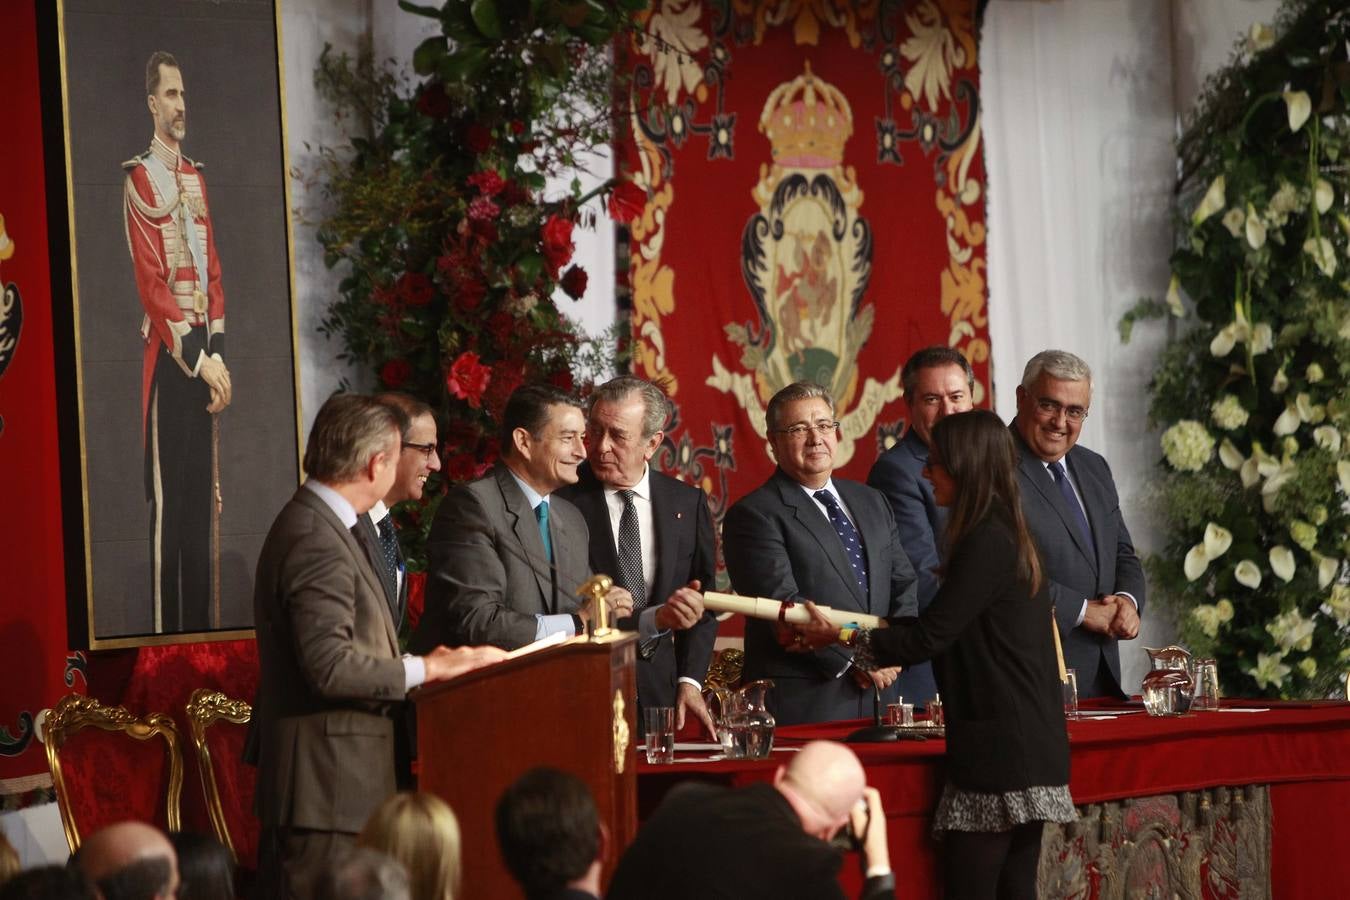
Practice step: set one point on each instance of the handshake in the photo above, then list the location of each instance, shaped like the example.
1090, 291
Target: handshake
1113, 614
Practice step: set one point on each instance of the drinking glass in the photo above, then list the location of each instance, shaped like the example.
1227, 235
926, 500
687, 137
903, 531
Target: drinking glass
660, 721
1070, 687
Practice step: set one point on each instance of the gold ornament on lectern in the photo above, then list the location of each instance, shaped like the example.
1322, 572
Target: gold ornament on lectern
595, 588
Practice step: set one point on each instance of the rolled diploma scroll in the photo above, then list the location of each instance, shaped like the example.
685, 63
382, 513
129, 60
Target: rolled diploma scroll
764, 608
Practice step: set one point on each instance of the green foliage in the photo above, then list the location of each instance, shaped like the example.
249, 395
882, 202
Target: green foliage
1263, 366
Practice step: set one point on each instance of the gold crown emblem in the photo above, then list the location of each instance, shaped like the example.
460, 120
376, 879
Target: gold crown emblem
807, 122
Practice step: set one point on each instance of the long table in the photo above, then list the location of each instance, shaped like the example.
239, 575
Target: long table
1149, 790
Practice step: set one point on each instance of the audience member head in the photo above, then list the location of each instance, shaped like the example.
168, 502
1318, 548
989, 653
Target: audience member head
803, 433
419, 455
823, 783
550, 834
49, 883
542, 433
1052, 402
354, 447
623, 429
972, 465
205, 867
421, 832
938, 382
129, 861
363, 874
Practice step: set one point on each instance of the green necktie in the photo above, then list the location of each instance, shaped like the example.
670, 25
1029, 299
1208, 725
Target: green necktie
541, 516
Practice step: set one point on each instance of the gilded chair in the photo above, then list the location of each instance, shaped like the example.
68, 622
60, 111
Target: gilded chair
99, 775
205, 709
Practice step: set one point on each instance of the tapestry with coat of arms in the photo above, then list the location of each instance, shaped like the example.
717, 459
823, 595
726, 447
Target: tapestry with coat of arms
815, 211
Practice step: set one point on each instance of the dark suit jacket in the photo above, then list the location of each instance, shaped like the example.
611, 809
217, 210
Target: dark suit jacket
751, 846
898, 473
330, 672
779, 544
685, 550
994, 655
1078, 572
487, 575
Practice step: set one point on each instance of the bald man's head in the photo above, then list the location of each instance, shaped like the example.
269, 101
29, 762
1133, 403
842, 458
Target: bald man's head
823, 783
129, 861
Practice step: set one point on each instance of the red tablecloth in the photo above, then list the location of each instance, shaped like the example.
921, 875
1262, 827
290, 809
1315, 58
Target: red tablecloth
1302, 750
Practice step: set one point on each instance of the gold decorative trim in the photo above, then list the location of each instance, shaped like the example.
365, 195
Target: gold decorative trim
76, 712
621, 733
725, 669
204, 709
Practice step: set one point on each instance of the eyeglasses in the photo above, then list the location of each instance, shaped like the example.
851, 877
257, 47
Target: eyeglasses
427, 449
799, 430
1052, 408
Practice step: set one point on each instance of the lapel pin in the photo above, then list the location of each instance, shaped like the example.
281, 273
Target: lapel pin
679, 515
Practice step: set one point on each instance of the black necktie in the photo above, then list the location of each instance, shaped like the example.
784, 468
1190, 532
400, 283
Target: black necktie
1070, 498
389, 546
848, 536
630, 552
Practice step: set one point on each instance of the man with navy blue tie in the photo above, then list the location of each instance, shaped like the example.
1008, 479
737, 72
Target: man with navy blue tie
1072, 508
805, 535
938, 382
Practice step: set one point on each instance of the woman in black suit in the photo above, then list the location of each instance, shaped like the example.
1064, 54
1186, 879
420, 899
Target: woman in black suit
988, 634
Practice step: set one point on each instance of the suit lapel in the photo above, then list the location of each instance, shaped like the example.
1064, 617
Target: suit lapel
875, 537
526, 529
811, 518
1095, 504
1044, 484
663, 518
369, 538
359, 558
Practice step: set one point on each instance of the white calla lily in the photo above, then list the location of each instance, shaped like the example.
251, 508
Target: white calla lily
1328, 567
1250, 472
1212, 202
1247, 574
1323, 253
1288, 421
1324, 195
1230, 456
1233, 220
1260, 37
1196, 562
1255, 229
1263, 338
1304, 405
1174, 297
1328, 437
1298, 105
1280, 383
1224, 342
1282, 562
1217, 540
1266, 464
1270, 672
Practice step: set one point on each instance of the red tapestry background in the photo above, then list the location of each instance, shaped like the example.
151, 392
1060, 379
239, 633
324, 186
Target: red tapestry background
816, 212
38, 670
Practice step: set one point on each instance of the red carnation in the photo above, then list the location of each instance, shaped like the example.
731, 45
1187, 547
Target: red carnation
574, 282
415, 288
417, 597
557, 242
481, 209
384, 296
395, 373
478, 138
469, 292
433, 102
468, 378
514, 195
562, 380
626, 202
501, 326
489, 183
517, 126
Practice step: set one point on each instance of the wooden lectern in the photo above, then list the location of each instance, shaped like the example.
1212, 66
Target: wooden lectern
570, 707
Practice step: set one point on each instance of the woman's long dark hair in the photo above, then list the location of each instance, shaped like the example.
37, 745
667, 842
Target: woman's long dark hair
978, 452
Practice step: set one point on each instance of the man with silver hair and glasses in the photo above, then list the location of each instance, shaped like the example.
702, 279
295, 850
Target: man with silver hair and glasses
654, 535
805, 535
331, 674
1072, 508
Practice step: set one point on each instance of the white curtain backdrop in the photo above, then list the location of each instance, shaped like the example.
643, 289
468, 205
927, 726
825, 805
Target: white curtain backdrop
1082, 100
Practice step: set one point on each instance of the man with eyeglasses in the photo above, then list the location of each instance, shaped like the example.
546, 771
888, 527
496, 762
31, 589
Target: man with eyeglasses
1072, 508
506, 556
938, 382
805, 535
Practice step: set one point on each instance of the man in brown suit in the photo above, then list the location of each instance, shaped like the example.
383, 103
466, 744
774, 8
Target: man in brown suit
330, 666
